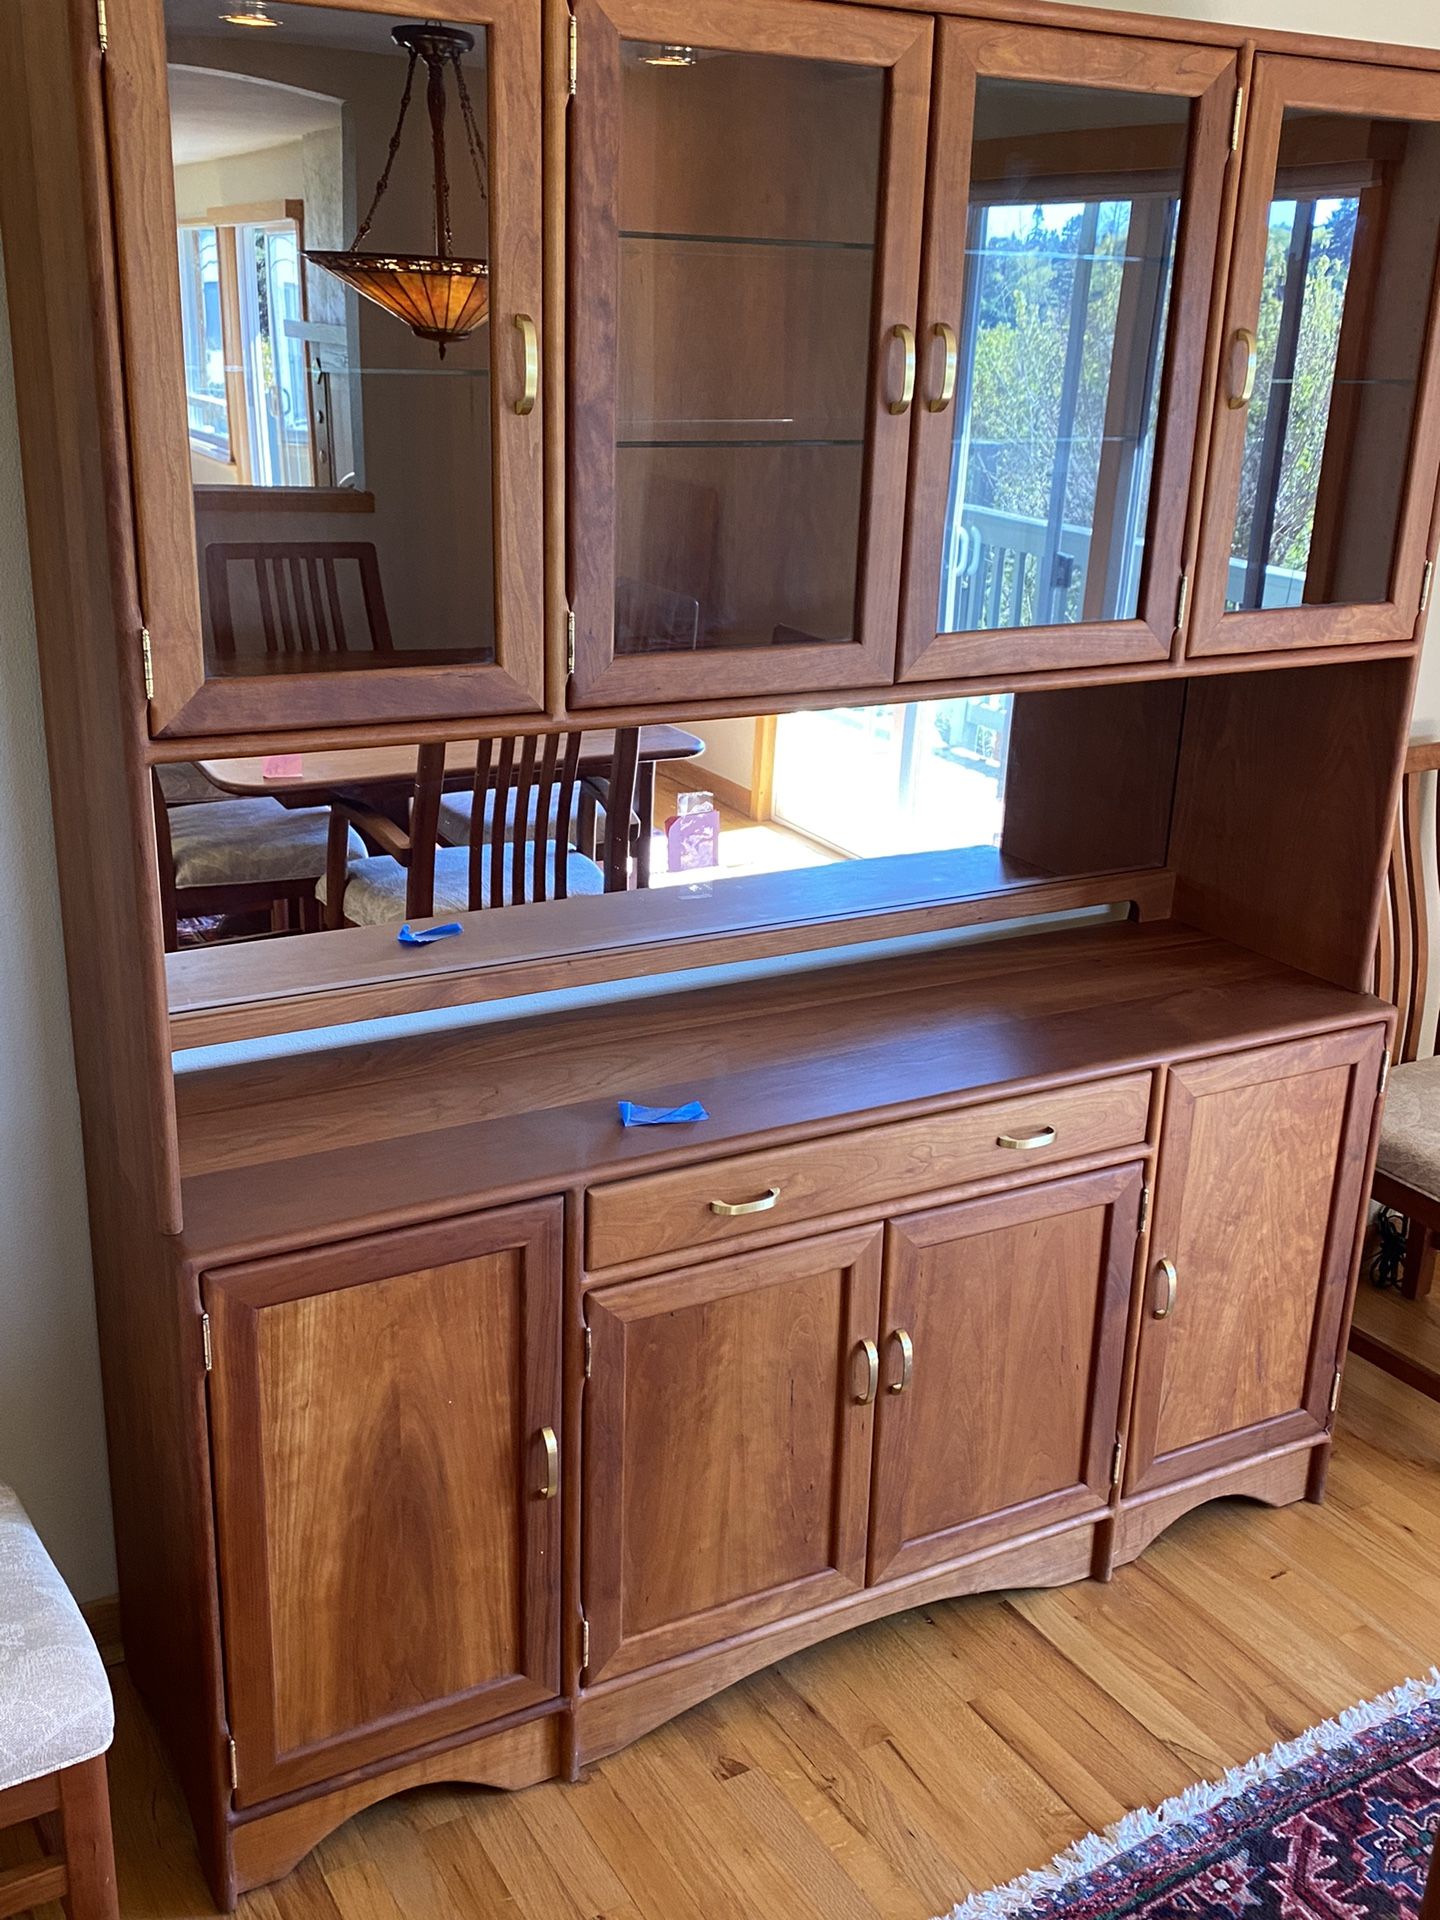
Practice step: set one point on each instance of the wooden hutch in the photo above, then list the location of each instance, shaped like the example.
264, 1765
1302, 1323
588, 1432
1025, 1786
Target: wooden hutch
455, 1431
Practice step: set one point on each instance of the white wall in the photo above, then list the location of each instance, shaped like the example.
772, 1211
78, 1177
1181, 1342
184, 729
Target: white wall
51, 1442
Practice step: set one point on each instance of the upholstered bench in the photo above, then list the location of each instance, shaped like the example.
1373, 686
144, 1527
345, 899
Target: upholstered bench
56, 1721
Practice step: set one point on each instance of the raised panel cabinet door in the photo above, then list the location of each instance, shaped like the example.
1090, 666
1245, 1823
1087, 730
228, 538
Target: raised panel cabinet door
1001, 1352
334, 398
386, 1433
1071, 243
727, 1447
746, 192
1257, 1207
1325, 444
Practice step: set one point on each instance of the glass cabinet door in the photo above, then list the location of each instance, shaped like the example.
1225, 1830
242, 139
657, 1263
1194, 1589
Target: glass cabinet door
1070, 248
744, 254
328, 223
1327, 432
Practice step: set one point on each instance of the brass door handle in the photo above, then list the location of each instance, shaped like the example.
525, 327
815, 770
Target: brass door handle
526, 403
907, 1360
870, 1354
551, 1484
1165, 1305
730, 1209
1027, 1142
1246, 339
942, 331
906, 336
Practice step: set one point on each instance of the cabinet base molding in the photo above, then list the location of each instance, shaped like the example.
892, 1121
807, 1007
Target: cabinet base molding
1296, 1473
610, 1717
265, 1845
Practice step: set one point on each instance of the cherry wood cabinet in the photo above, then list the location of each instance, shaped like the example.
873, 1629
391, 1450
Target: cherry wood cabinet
1317, 507
334, 524
1072, 222
727, 1447
387, 1422
1260, 1186
744, 256
1002, 1345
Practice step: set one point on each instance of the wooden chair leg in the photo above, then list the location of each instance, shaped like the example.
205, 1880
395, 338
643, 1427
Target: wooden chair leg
645, 825
89, 1849
1418, 1274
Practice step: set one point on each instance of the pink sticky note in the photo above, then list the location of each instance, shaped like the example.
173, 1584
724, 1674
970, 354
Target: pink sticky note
282, 766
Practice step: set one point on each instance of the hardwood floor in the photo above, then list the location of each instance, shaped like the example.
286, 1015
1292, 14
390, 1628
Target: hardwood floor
1409, 1327
890, 1772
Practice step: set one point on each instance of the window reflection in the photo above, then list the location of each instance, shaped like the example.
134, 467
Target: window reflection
1067, 290
1327, 435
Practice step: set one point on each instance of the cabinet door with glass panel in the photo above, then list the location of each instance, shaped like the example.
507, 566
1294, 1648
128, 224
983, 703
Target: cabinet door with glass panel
746, 190
1075, 193
328, 244
1327, 422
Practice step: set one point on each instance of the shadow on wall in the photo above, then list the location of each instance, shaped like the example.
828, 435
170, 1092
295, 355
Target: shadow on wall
52, 1447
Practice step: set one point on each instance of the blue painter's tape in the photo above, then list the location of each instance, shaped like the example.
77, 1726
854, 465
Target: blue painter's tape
632, 1114
408, 937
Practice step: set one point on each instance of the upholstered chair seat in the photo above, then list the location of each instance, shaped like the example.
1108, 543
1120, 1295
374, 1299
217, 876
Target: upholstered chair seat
55, 1704
456, 810
375, 886
1410, 1128
235, 842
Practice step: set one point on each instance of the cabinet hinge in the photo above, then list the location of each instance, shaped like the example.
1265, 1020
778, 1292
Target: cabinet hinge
1117, 1462
570, 640
1384, 1071
1182, 603
1335, 1391
584, 1645
1239, 114
147, 658
205, 1346
574, 53
102, 25
1143, 1222
1427, 580
234, 1768
589, 1351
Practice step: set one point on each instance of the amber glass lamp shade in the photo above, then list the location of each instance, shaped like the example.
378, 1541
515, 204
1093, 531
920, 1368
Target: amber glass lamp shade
441, 300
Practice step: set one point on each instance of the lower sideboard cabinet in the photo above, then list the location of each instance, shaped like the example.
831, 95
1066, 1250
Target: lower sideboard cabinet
727, 1437
385, 1420
1261, 1177
1002, 1351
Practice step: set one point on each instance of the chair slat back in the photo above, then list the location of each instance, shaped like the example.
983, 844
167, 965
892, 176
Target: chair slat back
519, 847
302, 590
1402, 953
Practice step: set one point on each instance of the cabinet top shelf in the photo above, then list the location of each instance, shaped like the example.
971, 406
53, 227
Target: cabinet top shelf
332, 1141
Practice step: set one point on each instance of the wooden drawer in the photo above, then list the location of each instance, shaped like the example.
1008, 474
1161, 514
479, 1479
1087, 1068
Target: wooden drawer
874, 1167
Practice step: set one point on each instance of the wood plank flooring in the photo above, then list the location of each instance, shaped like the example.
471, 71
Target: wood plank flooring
892, 1771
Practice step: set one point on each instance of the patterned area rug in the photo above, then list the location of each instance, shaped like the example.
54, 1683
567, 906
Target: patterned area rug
1336, 1825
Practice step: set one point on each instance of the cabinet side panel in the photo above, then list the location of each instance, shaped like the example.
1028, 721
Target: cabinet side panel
55, 227
1285, 808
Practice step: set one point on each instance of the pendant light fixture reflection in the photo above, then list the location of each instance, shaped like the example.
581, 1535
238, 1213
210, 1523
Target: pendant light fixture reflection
254, 15
438, 296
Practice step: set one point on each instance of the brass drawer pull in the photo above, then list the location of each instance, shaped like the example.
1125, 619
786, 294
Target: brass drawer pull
531, 341
906, 336
870, 1353
907, 1360
1027, 1142
1165, 1306
1246, 339
730, 1209
551, 1445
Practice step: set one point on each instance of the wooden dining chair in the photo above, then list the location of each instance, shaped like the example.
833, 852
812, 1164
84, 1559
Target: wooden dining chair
237, 856
302, 596
1407, 1169
519, 851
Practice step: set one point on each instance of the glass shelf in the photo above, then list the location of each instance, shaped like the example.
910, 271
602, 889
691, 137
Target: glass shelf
749, 240
774, 442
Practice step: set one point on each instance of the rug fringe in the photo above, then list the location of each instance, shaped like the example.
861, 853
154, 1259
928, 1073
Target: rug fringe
1099, 1849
